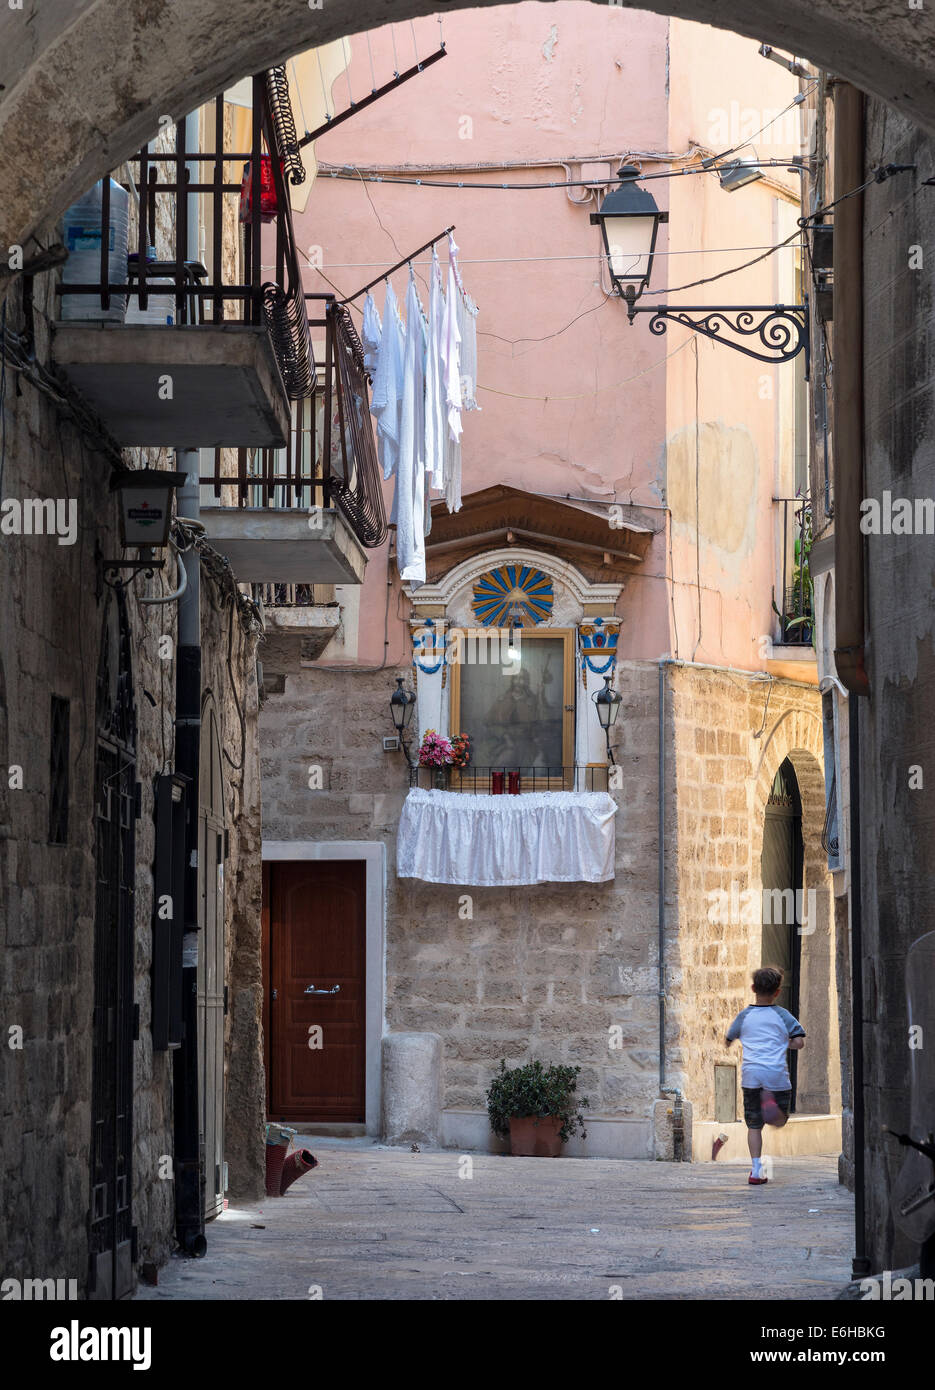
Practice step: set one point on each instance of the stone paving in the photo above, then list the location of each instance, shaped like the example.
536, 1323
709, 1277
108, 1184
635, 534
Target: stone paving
373, 1222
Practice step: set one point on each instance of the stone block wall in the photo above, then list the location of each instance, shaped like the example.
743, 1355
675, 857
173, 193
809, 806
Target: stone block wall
731, 733
50, 634
896, 726
546, 971
540, 972
229, 671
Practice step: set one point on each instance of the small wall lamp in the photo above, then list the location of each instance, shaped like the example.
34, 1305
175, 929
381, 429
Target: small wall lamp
402, 705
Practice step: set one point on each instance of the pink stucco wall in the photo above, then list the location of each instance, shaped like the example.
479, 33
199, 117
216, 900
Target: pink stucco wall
574, 400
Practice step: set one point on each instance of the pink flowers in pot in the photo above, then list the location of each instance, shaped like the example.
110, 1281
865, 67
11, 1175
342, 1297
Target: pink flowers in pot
435, 751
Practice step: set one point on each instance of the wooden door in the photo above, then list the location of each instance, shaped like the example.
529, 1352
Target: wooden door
317, 933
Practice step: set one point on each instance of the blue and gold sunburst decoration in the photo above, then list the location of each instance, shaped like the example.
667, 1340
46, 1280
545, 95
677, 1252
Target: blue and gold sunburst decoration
513, 596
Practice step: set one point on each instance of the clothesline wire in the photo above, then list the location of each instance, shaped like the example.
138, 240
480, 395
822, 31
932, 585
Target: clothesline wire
324, 94
588, 256
373, 76
588, 395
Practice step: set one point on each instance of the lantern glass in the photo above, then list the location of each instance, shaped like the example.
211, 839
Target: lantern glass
630, 242
629, 220
402, 704
607, 702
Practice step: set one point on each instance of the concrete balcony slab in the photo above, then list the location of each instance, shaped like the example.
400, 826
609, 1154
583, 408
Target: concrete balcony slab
193, 386
269, 546
793, 663
306, 630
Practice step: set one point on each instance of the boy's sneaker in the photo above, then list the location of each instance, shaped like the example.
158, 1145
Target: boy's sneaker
756, 1182
772, 1115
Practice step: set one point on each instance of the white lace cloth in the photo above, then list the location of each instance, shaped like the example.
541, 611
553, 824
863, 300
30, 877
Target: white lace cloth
503, 841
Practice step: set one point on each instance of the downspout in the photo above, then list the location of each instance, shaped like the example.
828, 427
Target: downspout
849, 654
848, 406
678, 1125
661, 885
189, 1175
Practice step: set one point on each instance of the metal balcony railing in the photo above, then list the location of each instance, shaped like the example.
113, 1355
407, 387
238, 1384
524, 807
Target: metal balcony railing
330, 459
525, 779
292, 595
796, 612
201, 293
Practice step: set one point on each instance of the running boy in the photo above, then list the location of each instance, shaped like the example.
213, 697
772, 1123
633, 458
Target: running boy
766, 1032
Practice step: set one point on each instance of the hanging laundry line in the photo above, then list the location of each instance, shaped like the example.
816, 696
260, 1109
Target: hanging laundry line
422, 372
406, 260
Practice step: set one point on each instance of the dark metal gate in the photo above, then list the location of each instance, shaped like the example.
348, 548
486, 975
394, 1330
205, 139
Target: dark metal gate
782, 870
110, 1229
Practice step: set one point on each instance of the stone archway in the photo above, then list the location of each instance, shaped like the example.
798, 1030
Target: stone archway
798, 736
83, 83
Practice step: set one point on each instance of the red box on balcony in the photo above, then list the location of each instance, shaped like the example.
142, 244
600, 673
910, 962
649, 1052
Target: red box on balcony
269, 205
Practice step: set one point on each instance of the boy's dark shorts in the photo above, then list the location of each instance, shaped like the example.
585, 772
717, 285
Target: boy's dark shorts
752, 1114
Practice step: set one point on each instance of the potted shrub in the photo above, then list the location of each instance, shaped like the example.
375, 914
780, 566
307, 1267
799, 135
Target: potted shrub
536, 1108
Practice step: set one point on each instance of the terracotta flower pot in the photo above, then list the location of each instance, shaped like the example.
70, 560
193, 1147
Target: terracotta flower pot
533, 1137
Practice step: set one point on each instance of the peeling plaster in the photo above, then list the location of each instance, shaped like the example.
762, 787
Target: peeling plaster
548, 48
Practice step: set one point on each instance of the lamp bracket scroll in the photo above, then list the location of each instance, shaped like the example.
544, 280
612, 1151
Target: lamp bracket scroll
773, 333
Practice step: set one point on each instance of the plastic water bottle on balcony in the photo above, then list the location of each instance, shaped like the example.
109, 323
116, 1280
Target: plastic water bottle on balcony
83, 244
160, 308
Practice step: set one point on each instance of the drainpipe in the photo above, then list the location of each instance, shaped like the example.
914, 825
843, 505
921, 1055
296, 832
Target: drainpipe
661, 866
189, 1174
848, 388
849, 654
678, 1127
861, 1261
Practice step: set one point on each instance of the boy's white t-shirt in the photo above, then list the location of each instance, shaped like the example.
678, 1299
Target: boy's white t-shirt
765, 1030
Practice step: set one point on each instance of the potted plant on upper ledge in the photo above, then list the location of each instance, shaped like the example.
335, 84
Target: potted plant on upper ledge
536, 1108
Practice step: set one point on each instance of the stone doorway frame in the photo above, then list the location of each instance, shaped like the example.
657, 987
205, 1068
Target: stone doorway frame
373, 855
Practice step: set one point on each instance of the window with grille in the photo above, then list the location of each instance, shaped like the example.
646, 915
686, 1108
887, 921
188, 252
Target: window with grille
58, 770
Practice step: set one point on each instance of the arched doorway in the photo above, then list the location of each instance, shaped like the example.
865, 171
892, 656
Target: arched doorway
110, 1220
782, 870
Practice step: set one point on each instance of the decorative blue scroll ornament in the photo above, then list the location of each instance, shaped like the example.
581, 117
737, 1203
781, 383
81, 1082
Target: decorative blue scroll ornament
596, 637
432, 641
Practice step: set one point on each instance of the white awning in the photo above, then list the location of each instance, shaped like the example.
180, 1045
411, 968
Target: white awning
489, 841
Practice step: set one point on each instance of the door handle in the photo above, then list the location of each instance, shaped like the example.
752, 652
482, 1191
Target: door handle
310, 989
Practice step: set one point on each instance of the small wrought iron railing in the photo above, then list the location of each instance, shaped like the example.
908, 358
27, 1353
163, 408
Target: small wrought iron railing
511, 780
330, 459
293, 595
830, 842
796, 612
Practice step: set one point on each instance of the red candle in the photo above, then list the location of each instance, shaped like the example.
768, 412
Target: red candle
514, 784
496, 783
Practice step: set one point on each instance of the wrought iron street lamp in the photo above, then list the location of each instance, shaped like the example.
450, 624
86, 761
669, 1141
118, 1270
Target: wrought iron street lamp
629, 220
607, 703
402, 704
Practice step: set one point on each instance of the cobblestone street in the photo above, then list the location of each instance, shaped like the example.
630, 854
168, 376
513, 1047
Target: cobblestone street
377, 1223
